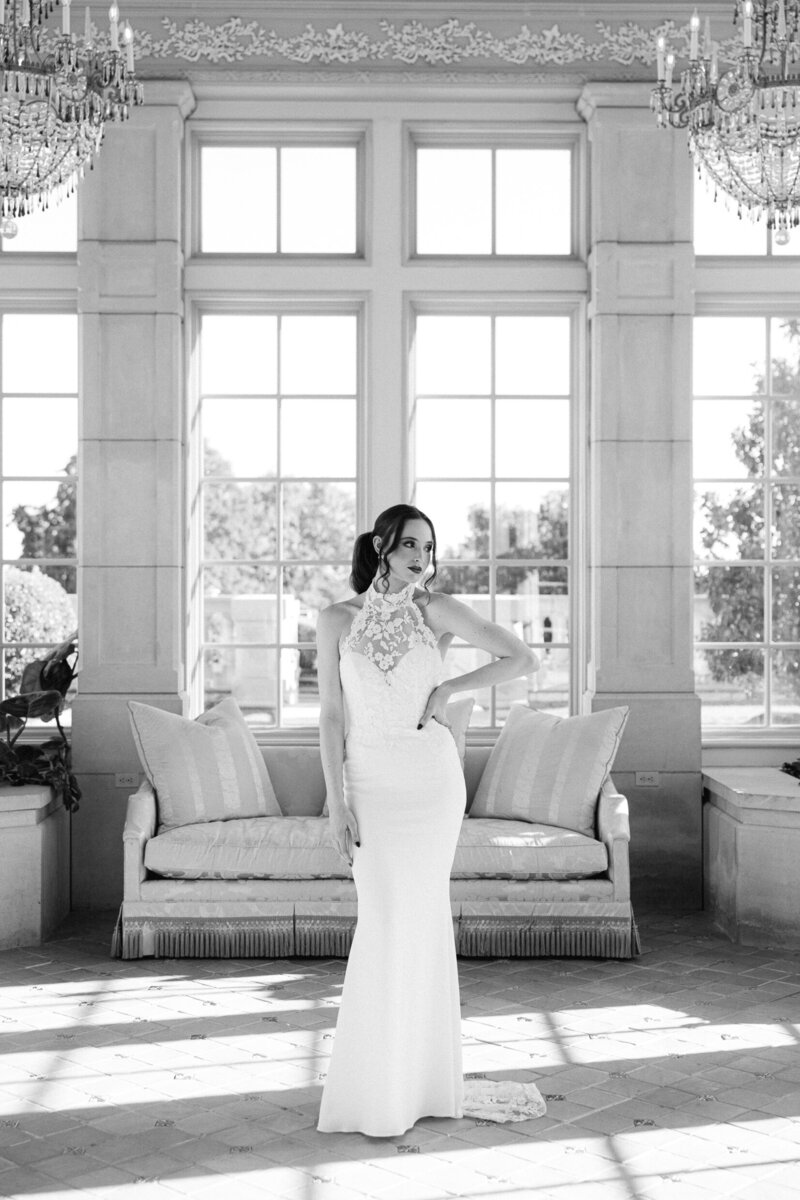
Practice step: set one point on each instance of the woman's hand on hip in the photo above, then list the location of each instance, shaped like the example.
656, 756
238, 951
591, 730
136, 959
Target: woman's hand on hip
436, 708
344, 833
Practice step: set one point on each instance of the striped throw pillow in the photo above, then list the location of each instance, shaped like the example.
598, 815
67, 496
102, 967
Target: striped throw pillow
210, 769
549, 770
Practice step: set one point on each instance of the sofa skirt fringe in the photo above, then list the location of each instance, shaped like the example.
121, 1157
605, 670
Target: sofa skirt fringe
521, 938
331, 937
323, 938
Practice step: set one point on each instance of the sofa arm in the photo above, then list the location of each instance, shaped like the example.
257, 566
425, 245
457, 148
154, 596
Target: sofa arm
613, 828
140, 826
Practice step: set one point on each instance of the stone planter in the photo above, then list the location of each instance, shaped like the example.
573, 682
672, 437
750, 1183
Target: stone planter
34, 865
752, 850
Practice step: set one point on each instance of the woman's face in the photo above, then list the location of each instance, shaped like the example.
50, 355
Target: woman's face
411, 558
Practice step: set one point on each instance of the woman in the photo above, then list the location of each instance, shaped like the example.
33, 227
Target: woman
396, 799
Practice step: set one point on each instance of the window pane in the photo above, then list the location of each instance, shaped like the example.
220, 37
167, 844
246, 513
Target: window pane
729, 356
240, 604
318, 355
318, 200
786, 437
40, 434
785, 356
463, 582
546, 690
728, 439
533, 201
240, 436
318, 437
729, 604
454, 201
719, 230
319, 520
786, 604
238, 354
531, 521
453, 356
299, 688
239, 520
26, 368
39, 520
453, 437
247, 674
786, 521
533, 603
786, 687
53, 231
314, 588
729, 522
532, 356
532, 438
460, 514
730, 684
238, 199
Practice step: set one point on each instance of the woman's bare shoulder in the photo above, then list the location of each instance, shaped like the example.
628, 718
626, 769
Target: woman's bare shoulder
337, 618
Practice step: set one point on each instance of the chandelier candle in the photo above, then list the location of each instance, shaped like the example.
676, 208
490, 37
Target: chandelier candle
742, 114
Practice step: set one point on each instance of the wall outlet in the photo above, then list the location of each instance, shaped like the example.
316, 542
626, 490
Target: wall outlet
126, 781
648, 779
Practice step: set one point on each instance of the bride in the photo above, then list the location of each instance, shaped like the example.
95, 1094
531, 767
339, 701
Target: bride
396, 798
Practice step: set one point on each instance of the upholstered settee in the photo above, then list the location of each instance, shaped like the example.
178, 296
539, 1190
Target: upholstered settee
270, 886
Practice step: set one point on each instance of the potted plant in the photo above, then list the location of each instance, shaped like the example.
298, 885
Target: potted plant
43, 695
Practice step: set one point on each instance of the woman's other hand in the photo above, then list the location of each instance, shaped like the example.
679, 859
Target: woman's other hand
344, 833
436, 708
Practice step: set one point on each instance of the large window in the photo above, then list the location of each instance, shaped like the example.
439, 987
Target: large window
747, 519
277, 422
491, 422
345, 357
39, 435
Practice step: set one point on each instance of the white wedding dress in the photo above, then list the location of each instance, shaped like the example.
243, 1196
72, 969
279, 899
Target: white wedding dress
397, 1049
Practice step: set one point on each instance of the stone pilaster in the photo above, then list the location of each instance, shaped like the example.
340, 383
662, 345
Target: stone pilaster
131, 487
641, 264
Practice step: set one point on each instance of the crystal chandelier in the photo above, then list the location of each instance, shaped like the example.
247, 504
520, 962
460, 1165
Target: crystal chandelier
743, 121
54, 101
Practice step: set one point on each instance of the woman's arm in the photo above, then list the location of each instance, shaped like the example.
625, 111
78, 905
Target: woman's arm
512, 657
331, 729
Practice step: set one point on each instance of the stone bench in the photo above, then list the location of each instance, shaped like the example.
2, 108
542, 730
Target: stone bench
751, 854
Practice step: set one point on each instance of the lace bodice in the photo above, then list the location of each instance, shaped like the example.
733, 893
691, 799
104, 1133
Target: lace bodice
387, 626
389, 665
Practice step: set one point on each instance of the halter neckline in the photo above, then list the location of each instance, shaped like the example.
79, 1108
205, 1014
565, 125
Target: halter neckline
389, 601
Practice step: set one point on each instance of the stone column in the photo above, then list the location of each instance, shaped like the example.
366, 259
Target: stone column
641, 263
130, 306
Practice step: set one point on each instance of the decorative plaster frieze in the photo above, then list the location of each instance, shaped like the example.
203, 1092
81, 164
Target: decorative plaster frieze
413, 43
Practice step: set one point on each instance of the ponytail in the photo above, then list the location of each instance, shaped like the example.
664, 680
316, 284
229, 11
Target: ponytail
365, 563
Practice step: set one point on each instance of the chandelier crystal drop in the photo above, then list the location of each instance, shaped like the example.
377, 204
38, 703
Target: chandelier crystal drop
56, 94
742, 118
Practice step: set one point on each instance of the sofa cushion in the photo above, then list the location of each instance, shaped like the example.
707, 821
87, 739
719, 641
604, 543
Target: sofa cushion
251, 848
501, 849
549, 770
298, 848
210, 769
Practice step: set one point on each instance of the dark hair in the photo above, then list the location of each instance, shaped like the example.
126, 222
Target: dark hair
389, 528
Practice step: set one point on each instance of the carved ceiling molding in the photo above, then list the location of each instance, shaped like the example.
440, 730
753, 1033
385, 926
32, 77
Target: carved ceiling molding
412, 44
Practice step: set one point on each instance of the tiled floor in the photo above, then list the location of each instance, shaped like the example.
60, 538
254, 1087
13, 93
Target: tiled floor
672, 1077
